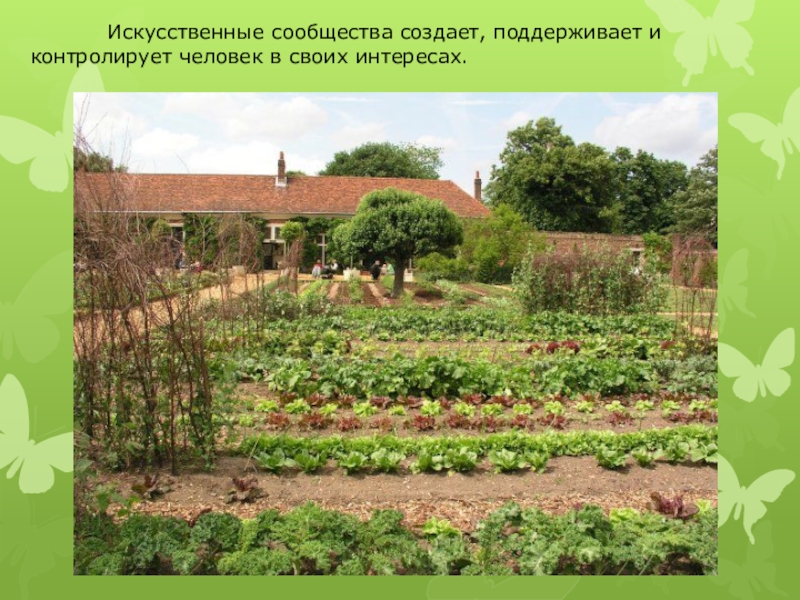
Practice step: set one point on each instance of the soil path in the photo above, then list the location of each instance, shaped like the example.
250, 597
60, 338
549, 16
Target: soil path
462, 498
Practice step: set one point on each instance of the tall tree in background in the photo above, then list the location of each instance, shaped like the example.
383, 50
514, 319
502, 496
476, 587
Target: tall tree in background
695, 209
399, 225
553, 183
645, 186
385, 159
94, 162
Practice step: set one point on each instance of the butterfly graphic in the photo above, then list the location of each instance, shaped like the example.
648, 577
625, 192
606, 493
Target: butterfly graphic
26, 322
35, 462
732, 292
749, 500
52, 155
29, 546
752, 379
775, 137
751, 421
699, 35
756, 573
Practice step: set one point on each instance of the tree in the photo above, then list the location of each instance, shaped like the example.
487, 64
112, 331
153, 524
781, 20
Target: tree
399, 225
695, 209
493, 247
644, 187
385, 159
94, 162
553, 183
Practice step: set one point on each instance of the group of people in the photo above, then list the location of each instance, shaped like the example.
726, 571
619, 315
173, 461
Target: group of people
320, 271
376, 270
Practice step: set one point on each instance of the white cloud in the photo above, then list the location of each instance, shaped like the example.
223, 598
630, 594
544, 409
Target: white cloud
105, 123
161, 143
253, 158
250, 117
350, 136
676, 127
518, 119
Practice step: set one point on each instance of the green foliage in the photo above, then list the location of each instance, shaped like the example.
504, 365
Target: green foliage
658, 252
505, 460
399, 225
436, 266
312, 541
494, 247
352, 462
611, 458
274, 462
201, 238
386, 461
310, 462
644, 187
297, 407
553, 183
384, 159
586, 281
696, 208
364, 409
291, 232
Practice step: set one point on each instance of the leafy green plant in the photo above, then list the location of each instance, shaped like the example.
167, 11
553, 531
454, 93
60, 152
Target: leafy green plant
352, 462
364, 409
328, 409
585, 406
669, 406
267, 406
537, 461
506, 460
434, 527
431, 408
310, 462
554, 407
297, 407
611, 458
492, 410
616, 406
397, 411
427, 462
644, 405
247, 420
522, 408
275, 461
386, 461
461, 460
677, 451
646, 458
464, 409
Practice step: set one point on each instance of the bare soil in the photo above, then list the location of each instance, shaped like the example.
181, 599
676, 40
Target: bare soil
462, 498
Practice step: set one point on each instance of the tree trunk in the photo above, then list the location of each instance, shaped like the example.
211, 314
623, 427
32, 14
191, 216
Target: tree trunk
399, 269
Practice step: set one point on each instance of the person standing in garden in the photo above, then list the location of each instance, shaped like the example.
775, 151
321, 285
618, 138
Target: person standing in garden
375, 270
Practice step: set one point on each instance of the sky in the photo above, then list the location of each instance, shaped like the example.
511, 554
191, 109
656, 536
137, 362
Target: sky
242, 133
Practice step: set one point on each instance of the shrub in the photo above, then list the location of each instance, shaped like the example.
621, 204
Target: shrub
437, 266
594, 282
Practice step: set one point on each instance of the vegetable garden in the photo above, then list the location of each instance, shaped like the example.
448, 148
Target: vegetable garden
338, 431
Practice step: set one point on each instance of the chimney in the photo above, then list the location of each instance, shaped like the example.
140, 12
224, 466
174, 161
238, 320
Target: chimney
280, 180
478, 186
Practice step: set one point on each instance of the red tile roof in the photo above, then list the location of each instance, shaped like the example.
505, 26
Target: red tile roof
303, 195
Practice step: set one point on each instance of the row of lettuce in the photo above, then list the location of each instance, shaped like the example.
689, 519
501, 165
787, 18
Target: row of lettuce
506, 452
311, 541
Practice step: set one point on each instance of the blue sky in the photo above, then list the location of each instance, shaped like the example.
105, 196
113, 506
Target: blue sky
243, 133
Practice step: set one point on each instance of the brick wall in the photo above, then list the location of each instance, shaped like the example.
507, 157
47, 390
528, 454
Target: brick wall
566, 242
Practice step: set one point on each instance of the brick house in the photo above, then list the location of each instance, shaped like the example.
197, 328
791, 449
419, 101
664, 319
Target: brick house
275, 198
